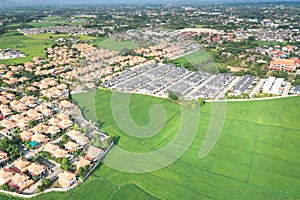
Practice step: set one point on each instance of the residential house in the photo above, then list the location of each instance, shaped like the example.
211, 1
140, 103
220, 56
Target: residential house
66, 179
36, 169
20, 181
71, 146
52, 130
65, 123
56, 151
21, 164
82, 140
34, 114
93, 153
3, 158
82, 162
26, 135
5, 175
40, 138
40, 128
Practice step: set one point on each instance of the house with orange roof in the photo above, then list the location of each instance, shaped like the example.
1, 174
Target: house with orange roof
26, 135
73, 134
3, 157
66, 179
50, 148
21, 164
34, 114
93, 153
55, 150
53, 121
3, 99
40, 138
71, 146
65, 123
5, 110
62, 116
82, 140
23, 122
40, 128
20, 181
66, 104
16, 117
17, 105
44, 110
5, 175
82, 162
60, 153
36, 169
52, 130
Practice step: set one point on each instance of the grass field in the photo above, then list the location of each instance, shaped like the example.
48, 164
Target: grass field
256, 156
49, 24
198, 59
112, 44
31, 45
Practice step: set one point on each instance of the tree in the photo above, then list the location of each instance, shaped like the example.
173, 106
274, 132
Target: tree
46, 182
65, 139
172, 95
32, 123
82, 172
64, 164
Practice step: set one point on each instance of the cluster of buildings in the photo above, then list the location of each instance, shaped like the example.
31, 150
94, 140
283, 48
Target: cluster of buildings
274, 85
277, 35
159, 79
35, 108
10, 53
72, 30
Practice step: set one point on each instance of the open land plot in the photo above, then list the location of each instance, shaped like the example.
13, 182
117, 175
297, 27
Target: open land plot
196, 58
114, 45
256, 156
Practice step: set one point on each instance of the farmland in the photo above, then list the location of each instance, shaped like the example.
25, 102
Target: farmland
256, 156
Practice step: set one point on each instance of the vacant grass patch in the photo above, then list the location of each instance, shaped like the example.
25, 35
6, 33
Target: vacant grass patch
112, 44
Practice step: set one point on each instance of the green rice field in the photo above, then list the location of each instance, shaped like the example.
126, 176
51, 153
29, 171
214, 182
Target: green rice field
256, 156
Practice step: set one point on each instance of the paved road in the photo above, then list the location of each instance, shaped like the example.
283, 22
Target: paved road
256, 88
286, 89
